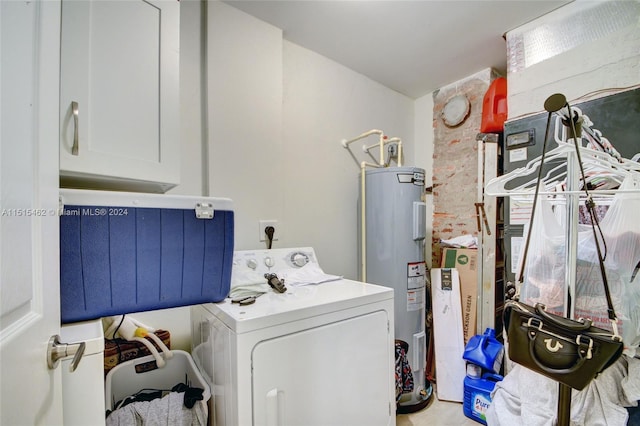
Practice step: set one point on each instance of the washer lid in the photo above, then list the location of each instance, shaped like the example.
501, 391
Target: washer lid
297, 304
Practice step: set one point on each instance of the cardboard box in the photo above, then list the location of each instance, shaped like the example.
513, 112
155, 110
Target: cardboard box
466, 262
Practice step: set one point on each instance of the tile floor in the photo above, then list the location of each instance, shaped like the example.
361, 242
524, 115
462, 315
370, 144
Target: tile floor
437, 413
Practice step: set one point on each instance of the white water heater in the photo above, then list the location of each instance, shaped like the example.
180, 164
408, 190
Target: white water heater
395, 230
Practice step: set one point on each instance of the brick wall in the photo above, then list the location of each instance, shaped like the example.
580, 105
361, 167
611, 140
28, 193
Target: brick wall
455, 162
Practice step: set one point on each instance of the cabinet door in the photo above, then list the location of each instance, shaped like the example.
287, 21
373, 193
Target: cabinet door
119, 101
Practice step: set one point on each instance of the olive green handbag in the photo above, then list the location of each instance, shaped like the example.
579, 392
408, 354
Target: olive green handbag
567, 351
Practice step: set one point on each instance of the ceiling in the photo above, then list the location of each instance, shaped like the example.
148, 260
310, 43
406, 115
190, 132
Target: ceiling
413, 47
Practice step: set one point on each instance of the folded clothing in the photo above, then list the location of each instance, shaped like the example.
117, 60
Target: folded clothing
169, 409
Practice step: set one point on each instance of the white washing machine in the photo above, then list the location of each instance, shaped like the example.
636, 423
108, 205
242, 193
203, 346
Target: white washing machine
319, 354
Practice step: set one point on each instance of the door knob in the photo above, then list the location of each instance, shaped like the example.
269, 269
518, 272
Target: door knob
56, 350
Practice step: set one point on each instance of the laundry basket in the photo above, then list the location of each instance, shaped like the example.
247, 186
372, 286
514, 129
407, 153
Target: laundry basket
132, 376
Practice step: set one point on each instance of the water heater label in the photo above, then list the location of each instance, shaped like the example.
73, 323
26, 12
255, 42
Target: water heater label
416, 272
415, 300
415, 178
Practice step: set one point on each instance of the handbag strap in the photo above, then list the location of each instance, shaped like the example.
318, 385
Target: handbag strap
553, 104
520, 277
591, 208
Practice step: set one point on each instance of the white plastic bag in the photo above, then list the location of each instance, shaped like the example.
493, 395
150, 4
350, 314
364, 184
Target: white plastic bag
544, 274
544, 277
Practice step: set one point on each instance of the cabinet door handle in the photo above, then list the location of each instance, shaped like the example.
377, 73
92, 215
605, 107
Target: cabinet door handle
74, 111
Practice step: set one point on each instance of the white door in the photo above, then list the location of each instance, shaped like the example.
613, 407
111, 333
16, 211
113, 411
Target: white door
30, 393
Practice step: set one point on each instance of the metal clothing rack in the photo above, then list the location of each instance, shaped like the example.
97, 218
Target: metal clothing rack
572, 193
571, 239
571, 253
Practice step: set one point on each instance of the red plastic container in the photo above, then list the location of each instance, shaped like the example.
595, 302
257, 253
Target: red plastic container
494, 107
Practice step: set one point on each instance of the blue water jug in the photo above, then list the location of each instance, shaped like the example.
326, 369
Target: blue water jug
485, 351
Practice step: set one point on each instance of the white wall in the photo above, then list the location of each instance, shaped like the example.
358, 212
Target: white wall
277, 114
244, 66
324, 103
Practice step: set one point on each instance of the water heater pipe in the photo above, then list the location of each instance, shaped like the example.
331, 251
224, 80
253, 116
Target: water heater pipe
381, 145
363, 224
345, 142
399, 151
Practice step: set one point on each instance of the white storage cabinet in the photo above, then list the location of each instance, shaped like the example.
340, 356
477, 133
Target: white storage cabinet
119, 95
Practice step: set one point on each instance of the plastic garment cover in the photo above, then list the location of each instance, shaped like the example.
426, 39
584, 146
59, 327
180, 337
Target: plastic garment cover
544, 275
526, 398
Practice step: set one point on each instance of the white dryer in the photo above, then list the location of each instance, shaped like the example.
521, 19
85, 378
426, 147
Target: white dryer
320, 354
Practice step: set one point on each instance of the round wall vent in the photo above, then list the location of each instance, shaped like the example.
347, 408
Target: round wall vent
456, 110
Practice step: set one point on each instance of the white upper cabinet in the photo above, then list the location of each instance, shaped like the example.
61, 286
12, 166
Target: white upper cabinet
119, 95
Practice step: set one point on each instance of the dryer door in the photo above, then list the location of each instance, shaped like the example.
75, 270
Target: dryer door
339, 373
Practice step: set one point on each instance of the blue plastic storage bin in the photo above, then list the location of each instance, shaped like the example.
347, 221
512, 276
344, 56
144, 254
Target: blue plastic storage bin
130, 252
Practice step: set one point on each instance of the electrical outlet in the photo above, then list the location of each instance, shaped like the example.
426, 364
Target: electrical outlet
263, 223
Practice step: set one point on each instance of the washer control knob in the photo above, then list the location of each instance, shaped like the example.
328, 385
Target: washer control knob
251, 263
269, 261
299, 259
